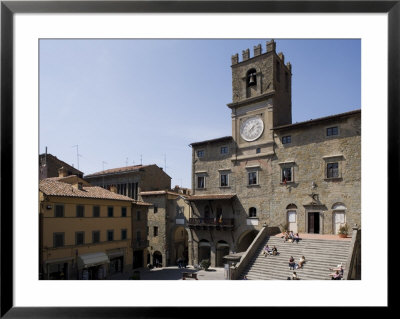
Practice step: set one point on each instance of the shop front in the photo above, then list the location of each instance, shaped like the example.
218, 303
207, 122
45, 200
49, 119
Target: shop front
93, 266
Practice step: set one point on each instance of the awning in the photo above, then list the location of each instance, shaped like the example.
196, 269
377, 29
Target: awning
93, 259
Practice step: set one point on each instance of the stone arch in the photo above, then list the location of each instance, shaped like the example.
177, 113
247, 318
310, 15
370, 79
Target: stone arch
252, 212
222, 249
180, 244
291, 206
204, 250
245, 239
251, 78
339, 206
157, 259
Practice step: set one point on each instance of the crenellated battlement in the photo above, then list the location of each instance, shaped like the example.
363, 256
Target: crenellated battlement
257, 51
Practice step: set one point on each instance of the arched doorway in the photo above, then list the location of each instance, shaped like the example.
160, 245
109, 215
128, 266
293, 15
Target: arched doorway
204, 250
292, 217
180, 244
338, 216
222, 250
246, 239
157, 259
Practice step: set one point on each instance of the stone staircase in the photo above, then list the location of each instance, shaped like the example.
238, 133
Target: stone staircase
320, 255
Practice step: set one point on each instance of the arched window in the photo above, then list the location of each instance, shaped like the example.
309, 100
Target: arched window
251, 78
207, 212
252, 212
291, 206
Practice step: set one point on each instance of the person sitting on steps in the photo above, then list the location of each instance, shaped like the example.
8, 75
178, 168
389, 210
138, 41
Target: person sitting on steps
292, 264
302, 261
274, 251
296, 238
267, 251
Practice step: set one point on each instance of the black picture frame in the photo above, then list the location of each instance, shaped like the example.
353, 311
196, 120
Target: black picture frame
9, 8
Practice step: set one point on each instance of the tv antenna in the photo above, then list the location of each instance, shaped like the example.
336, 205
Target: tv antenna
77, 154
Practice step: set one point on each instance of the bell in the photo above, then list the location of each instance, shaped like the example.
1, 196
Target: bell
252, 80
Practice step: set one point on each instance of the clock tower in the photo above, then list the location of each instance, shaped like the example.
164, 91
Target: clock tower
261, 100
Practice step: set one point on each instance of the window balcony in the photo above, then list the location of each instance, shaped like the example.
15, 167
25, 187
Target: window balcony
211, 223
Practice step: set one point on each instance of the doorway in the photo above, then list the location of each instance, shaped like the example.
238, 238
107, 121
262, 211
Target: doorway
292, 220
313, 223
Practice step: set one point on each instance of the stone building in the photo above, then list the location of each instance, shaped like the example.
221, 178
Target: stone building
50, 164
304, 176
167, 222
85, 231
131, 180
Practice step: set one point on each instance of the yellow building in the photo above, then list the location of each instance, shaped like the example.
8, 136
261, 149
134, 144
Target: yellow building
85, 232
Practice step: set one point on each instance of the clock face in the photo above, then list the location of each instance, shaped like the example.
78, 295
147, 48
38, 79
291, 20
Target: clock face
251, 128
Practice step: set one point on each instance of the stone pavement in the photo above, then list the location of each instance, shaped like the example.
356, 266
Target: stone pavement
172, 273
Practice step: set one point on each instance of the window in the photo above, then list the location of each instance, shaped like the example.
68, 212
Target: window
58, 240
180, 210
138, 236
59, 211
79, 238
200, 153
332, 170
155, 231
96, 211
123, 234
252, 178
123, 212
258, 150
201, 182
155, 209
80, 211
224, 150
95, 236
138, 213
286, 139
224, 180
286, 174
110, 235
330, 131
110, 211
147, 231
252, 212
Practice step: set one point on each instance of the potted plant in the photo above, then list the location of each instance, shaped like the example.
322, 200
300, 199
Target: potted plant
343, 231
205, 264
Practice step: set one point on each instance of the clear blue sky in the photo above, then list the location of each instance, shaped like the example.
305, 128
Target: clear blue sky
123, 100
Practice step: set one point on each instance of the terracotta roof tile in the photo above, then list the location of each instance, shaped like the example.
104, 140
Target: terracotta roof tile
54, 187
161, 192
118, 170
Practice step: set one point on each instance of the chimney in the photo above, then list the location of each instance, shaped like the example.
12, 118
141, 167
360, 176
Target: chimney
113, 188
62, 172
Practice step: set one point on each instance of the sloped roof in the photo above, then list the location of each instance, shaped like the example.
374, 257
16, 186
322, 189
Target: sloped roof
321, 119
54, 187
124, 169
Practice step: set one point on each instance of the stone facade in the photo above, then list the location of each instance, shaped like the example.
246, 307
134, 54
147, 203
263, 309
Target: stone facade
132, 180
167, 227
304, 176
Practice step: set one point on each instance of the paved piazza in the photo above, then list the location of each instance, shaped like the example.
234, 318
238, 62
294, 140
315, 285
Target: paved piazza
174, 273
